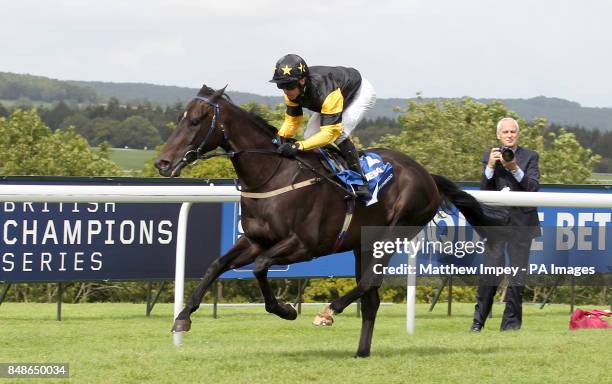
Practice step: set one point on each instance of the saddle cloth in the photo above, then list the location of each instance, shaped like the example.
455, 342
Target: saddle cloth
378, 173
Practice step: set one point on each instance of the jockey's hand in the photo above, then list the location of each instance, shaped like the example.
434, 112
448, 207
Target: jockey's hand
288, 149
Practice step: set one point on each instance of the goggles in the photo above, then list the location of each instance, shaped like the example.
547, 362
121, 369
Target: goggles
287, 86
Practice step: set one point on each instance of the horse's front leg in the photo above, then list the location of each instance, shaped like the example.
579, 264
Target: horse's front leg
287, 251
242, 253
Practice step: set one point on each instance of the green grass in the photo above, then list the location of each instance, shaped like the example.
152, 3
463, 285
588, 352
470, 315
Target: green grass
601, 178
116, 343
39, 104
131, 159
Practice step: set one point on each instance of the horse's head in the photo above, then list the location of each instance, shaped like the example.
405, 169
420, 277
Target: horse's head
198, 130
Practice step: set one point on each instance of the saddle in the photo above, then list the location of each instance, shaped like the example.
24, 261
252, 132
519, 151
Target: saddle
331, 159
378, 172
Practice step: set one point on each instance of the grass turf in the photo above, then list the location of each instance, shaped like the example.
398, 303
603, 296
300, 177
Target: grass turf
116, 343
131, 159
601, 178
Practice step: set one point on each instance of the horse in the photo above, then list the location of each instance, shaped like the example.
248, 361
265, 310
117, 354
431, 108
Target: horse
292, 211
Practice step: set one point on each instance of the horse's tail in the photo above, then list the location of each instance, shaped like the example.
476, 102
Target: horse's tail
477, 214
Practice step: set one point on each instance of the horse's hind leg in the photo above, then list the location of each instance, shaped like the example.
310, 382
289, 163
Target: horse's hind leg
367, 280
242, 253
285, 252
370, 301
370, 277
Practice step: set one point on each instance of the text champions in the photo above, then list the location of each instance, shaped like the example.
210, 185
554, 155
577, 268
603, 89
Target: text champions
73, 245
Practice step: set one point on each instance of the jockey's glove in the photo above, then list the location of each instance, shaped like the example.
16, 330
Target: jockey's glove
288, 149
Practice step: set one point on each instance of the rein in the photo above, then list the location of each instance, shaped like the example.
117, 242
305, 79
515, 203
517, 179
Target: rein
301, 164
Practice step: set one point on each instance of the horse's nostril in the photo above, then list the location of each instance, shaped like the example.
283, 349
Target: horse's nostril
162, 165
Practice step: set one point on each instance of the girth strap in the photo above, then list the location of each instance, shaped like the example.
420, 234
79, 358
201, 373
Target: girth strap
350, 208
280, 191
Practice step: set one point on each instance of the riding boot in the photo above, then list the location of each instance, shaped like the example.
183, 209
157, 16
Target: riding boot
352, 158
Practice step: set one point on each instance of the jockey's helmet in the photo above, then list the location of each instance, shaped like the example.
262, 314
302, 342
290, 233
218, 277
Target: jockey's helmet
288, 70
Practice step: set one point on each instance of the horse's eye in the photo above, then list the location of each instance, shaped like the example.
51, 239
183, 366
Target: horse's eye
195, 122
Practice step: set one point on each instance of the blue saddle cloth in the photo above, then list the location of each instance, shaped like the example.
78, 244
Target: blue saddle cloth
377, 172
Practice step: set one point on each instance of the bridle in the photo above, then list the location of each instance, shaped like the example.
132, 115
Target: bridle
194, 155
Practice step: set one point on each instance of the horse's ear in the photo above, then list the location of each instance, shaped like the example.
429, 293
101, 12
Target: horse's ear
218, 93
202, 90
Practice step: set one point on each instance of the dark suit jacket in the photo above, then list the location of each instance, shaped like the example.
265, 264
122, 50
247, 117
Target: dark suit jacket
527, 160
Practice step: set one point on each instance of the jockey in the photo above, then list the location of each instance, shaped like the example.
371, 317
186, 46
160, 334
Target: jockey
339, 98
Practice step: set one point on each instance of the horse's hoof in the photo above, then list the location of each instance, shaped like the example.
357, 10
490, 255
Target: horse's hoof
325, 318
181, 325
283, 310
362, 354
287, 312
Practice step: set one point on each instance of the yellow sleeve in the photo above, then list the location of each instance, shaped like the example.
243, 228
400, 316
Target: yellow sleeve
331, 122
290, 125
293, 119
327, 135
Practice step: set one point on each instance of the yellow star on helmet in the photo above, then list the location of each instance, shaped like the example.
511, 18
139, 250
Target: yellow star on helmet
286, 70
301, 67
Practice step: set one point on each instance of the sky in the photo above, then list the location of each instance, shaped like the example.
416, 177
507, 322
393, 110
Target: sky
444, 48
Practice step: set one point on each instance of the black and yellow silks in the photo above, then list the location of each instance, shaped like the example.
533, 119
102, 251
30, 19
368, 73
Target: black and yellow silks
328, 90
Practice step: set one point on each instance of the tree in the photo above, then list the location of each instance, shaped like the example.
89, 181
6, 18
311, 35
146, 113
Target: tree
29, 147
566, 161
101, 130
24, 103
135, 132
594, 139
273, 117
449, 138
81, 124
55, 116
114, 110
96, 131
171, 113
3, 111
369, 131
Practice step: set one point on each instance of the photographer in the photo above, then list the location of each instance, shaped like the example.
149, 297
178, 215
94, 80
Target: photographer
508, 168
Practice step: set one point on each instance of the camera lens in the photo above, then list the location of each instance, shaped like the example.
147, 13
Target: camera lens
507, 154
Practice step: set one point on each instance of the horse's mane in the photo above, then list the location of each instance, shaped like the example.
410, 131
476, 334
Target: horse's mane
251, 114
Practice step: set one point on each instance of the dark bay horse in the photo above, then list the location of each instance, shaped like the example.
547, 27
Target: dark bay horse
300, 224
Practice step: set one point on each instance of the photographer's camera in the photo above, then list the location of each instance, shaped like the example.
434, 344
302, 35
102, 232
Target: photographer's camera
507, 154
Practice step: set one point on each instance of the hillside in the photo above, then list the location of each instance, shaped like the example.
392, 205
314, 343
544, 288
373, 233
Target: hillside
559, 111
37, 88
43, 89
